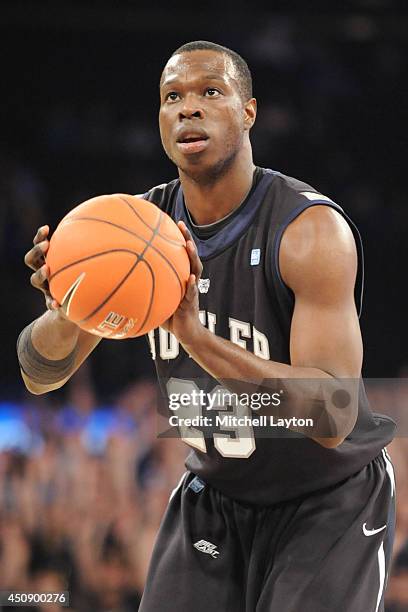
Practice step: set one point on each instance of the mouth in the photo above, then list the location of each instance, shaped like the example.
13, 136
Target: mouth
192, 143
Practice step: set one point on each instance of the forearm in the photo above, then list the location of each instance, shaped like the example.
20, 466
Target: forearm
225, 360
308, 391
46, 352
54, 336
64, 347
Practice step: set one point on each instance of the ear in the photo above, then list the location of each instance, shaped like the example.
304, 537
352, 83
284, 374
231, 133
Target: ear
250, 108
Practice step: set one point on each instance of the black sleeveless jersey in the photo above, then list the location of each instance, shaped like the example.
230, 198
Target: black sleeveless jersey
244, 299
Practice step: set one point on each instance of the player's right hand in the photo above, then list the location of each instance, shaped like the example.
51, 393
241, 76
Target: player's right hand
35, 259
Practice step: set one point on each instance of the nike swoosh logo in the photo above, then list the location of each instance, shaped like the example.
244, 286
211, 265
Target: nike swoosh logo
67, 299
370, 532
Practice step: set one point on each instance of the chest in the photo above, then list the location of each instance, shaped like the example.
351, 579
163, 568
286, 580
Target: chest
235, 301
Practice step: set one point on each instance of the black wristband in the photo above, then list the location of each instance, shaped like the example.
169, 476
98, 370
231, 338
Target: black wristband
37, 367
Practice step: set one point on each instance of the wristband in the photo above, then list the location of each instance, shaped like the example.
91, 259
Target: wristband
37, 367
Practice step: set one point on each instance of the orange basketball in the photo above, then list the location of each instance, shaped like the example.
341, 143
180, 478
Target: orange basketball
118, 266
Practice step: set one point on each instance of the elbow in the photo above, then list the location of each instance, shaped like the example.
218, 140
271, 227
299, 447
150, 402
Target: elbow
342, 428
329, 442
336, 440
33, 388
36, 388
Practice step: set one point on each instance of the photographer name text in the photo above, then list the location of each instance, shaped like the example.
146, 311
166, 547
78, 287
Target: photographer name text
234, 421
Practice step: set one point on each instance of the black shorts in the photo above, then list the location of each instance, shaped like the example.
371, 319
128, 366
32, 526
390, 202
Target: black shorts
328, 552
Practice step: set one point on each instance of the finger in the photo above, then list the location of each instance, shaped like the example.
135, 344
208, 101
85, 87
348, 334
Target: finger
29, 260
41, 234
50, 302
184, 230
195, 261
191, 288
35, 258
39, 279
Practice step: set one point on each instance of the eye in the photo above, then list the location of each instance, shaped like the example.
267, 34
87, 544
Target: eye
172, 96
212, 92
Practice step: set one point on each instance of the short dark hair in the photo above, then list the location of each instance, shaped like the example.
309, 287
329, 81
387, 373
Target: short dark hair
244, 74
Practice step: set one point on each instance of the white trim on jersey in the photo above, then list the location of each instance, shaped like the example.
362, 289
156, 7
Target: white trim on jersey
174, 491
381, 570
315, 197
390, 470
381, 553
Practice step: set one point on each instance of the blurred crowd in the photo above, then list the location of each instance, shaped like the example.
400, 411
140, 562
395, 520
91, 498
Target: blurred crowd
83, 489
82, 493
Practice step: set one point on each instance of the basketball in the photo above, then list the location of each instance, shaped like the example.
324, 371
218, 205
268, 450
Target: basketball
118, 266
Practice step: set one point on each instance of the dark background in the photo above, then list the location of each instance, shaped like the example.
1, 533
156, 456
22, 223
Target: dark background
79, 118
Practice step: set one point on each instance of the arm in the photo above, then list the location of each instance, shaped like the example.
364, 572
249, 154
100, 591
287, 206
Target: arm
318, 262
53, 337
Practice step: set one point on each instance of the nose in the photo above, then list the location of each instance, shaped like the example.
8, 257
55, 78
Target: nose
190, 109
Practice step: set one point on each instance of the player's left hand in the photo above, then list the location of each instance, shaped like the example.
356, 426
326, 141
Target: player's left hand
185, 323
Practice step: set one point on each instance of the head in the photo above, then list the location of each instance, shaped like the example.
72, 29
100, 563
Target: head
206, 109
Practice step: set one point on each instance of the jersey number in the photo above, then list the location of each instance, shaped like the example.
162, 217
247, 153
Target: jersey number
241, 446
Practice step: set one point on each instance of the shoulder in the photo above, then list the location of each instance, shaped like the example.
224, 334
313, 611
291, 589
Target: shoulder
318, 246
318, 226
291, 196
312, 221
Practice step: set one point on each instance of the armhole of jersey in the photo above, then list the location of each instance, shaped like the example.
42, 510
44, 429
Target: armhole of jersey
359, 285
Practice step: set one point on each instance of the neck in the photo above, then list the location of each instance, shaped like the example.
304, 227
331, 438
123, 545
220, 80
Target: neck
211, 201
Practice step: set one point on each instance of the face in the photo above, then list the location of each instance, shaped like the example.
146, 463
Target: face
203, 118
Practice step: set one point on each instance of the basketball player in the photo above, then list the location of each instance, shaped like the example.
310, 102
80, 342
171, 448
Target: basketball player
286, 523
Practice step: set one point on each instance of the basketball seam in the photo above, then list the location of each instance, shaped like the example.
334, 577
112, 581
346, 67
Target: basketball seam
124, 279
169, 240
149, 308
137, 214
154, 230
112, 293
156, 233
121, 227
88, 257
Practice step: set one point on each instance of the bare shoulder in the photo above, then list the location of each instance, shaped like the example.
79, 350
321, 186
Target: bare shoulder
318, 247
